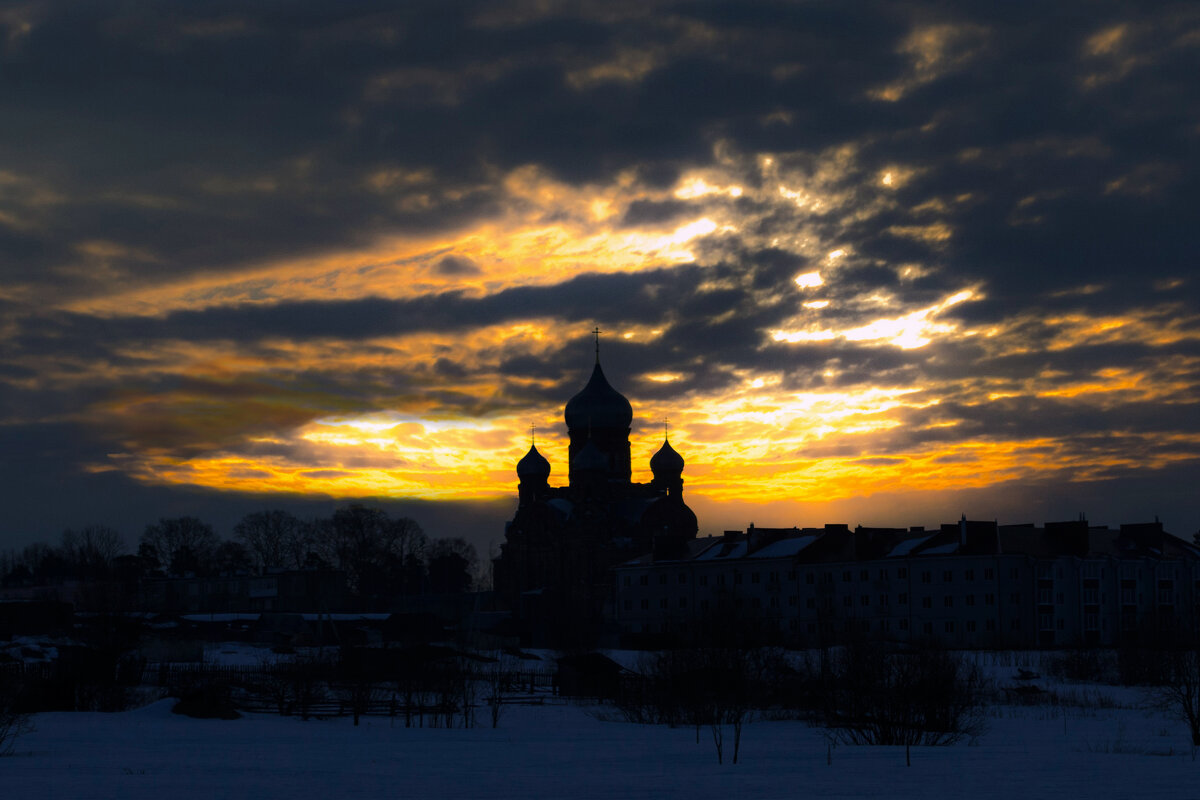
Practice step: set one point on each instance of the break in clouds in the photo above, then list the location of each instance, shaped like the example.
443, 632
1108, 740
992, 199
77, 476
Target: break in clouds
898, 250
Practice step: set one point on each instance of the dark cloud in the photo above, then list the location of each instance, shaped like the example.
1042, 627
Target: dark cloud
1045, 161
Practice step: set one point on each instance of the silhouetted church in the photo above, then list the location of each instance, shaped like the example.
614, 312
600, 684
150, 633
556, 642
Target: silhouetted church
553, 568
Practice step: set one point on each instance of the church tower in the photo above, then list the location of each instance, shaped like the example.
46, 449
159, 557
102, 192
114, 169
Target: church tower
598, 423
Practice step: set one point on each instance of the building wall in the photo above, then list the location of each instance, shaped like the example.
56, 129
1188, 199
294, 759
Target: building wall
979, 601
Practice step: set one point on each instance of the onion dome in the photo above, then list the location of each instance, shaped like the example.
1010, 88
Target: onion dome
589, 459
599, 405
666, 463
533, 466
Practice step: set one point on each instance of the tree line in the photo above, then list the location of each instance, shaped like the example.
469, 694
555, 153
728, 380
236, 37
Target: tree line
380, 555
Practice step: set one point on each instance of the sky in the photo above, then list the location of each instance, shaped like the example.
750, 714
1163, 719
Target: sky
877, 263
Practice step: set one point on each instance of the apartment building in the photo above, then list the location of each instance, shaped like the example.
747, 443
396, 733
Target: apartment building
969, 584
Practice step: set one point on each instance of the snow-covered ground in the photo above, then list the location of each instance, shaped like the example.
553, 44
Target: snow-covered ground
560, 751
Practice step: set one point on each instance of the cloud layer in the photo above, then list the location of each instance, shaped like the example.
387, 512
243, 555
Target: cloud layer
854, 253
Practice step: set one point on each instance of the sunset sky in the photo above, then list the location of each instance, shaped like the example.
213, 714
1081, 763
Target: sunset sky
878, 263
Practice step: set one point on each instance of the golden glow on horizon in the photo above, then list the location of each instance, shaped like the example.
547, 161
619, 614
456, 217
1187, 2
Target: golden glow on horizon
433, 415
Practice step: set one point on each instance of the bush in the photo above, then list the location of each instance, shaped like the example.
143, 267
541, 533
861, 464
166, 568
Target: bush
926, 697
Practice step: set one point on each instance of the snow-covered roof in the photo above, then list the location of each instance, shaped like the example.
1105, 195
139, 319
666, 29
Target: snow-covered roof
784, 547
718, 552
906, 547
941, 550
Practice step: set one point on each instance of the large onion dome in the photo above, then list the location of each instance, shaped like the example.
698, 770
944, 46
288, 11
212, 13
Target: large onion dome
533, 466
666, 463
598, 405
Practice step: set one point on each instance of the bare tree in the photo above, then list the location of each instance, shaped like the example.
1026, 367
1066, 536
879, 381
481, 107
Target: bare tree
928, 697
1179, 695
14, 721
379, 554
274, 539
92, 550
181, 544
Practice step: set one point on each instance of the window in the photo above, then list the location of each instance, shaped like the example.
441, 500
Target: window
970, 575
970, 626
756, 602
970, 599
883, 576
810, 602
902, 572
902, 598
662, 579
928, 628
791, 575
1015, 598
864, 575
627, 581
989, 574
702, 580
990, 624
645, 604
1014, 573
737, 577
704, 605
846, 576
754, 577
775, 601
926, 602
793, 600
827, 577
683, 577
948, 601
809, 578
847, 601
950, 627
662, 603
865, 600
628, 605
926, 577
883, 599
903, 624
948, 576
683, 602
720, 580
989, 599
1015, 625
774, 577
644, 580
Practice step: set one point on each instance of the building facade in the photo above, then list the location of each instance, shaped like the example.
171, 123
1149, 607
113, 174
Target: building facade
968, 585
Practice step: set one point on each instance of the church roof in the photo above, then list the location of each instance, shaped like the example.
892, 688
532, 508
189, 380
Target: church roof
590, 458
598, 404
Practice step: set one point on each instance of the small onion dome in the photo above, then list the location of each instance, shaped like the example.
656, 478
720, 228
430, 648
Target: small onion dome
589, 458
533, 466
666, 463
599, 405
